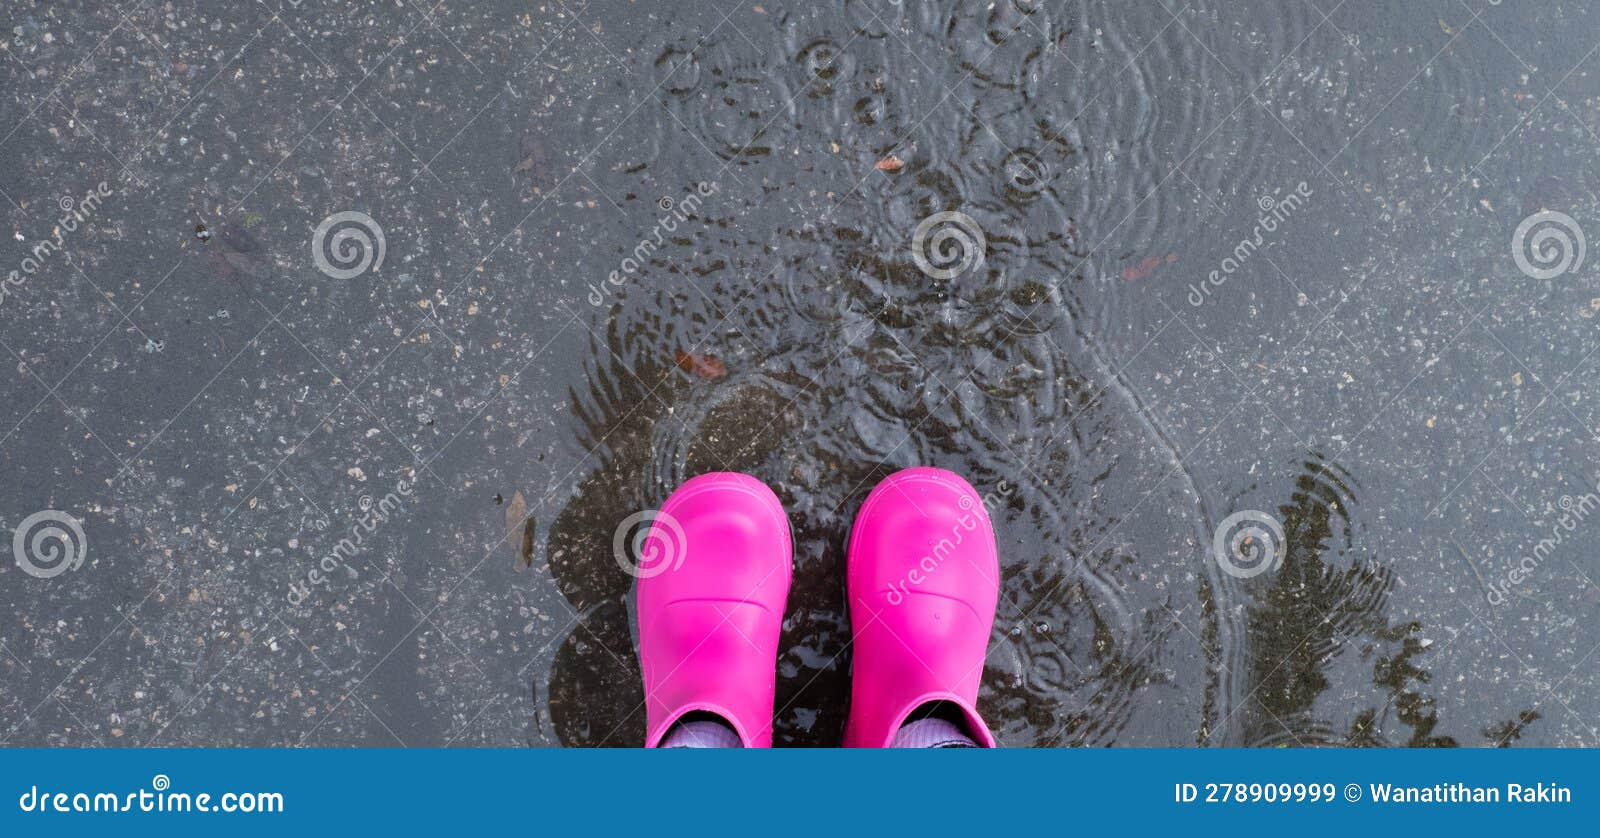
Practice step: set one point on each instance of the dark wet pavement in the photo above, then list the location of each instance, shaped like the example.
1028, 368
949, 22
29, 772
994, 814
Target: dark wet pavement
1152, 275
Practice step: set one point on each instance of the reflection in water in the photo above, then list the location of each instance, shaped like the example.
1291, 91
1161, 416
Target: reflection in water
1084, 647
1326, 609
596, 694
846, 359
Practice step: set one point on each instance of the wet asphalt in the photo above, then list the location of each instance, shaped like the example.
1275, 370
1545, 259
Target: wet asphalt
341, 338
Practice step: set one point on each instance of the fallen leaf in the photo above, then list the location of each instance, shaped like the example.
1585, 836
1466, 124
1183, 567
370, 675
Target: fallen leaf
705, 366
517, 519
240, 254
1147, 266
516, 511
889, 164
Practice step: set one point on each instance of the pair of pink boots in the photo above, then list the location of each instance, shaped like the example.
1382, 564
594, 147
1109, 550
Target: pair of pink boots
923, 582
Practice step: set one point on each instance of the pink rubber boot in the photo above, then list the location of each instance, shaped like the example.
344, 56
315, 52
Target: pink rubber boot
924, 579
711, 605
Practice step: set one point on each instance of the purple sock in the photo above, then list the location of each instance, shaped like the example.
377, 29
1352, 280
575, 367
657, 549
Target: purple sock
932, 733
702, 734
